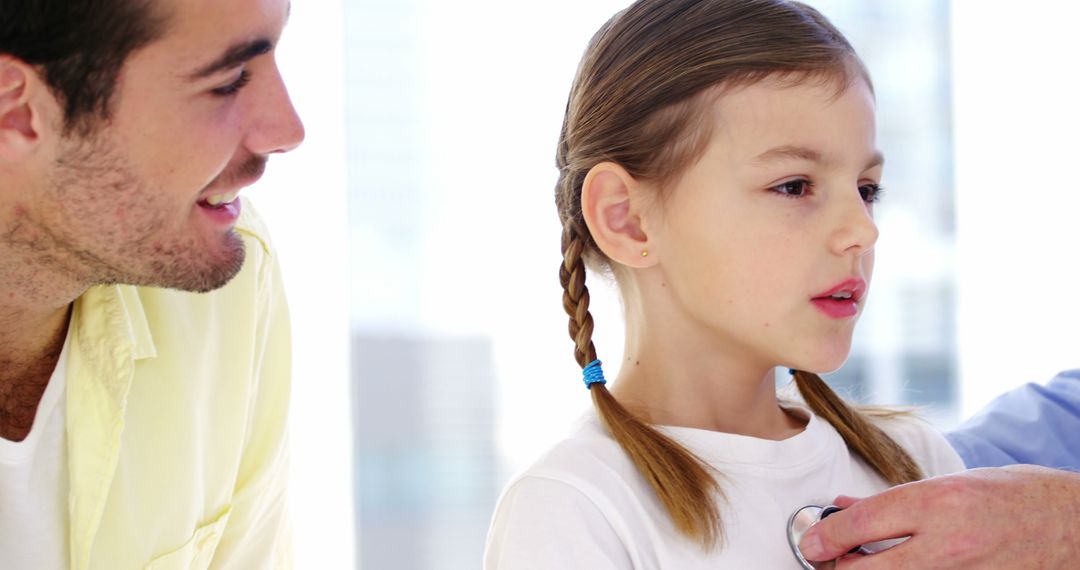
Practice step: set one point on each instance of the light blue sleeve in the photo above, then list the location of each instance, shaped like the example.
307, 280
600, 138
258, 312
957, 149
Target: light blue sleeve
1033, 424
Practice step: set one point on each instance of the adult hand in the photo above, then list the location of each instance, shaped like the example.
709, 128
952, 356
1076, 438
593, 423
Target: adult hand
1016, 517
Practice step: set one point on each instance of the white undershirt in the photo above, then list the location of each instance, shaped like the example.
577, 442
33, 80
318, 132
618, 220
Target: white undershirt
34, 486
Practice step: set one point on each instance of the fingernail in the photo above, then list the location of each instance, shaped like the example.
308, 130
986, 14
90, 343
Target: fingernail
811, 547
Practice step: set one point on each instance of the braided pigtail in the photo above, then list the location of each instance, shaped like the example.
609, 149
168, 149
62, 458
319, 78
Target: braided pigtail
867, 440
682, 482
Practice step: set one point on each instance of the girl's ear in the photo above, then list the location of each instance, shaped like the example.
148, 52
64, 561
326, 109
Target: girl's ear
21, 91
613, 204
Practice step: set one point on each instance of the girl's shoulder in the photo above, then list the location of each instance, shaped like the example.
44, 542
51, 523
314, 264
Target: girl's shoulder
919, 438
587, 458
575, 496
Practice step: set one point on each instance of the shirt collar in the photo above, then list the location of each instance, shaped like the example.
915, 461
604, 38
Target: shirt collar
142, 340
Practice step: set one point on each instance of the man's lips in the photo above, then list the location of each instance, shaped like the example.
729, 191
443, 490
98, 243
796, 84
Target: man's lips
233, 180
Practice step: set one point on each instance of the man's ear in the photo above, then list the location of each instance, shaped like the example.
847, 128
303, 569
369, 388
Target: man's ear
613, 205
20, 115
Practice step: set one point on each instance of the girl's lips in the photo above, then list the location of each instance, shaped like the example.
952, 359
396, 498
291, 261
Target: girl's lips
841, 308
856, 287
837, 308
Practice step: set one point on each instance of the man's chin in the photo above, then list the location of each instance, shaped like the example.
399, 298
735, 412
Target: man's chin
217, 275
201, 273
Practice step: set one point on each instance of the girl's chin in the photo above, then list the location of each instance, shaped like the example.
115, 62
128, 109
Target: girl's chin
824, 363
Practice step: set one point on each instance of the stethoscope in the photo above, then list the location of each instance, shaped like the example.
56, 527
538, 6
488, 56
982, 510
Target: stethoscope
800, 522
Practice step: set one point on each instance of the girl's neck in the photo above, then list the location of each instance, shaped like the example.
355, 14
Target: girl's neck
676, 373
699, 396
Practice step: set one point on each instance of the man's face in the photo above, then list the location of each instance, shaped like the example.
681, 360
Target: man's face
150, 197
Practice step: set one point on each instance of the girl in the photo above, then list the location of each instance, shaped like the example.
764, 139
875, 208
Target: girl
719, 158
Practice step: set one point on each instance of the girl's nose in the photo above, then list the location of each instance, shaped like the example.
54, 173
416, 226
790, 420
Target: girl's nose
855, 230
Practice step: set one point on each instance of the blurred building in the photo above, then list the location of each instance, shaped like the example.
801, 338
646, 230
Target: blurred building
426, 473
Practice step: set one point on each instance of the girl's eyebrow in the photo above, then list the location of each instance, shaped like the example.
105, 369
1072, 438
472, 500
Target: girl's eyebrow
788, 152
877, 160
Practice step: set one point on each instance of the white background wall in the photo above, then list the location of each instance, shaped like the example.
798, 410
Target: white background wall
303, 199
1017, 113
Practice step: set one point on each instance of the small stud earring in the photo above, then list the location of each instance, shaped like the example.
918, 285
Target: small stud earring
644, 253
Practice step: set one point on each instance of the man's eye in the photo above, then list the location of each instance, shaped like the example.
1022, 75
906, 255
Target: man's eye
871, 192
792, 188
235, 86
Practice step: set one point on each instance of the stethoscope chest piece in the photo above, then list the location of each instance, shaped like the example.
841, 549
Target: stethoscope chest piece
800, 522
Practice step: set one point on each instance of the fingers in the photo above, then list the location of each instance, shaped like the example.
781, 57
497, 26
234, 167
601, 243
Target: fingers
900, 556
876, 518
844, 501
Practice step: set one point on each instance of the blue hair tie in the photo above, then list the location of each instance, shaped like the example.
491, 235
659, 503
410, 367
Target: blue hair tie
593, 374
791, 371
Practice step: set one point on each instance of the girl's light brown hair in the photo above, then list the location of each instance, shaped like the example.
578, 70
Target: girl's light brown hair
639, 100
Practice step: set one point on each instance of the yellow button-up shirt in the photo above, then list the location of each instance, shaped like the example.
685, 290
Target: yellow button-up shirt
176, 409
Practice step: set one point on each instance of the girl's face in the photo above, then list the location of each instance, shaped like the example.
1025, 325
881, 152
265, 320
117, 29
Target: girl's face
762, 239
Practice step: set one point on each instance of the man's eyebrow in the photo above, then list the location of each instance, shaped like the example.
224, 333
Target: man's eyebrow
808, 154
236, 55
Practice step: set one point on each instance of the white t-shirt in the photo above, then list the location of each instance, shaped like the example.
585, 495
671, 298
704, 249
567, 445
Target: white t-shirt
34, 486
584, 504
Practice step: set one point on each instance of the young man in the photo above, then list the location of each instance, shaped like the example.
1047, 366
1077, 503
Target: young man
144, 345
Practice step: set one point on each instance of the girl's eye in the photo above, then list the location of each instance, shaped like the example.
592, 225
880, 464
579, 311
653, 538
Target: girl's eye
871, 192
235, 86
792, 188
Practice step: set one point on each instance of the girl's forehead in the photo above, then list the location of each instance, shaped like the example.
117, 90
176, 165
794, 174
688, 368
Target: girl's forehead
768, 120
777, 97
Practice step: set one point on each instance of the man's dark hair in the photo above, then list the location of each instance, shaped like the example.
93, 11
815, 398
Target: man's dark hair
79, 48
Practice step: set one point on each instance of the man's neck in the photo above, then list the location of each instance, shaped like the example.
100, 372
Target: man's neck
30, 345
